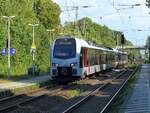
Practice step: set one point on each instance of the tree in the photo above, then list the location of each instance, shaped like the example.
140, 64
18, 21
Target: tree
48, 13
148, 42
92, 31
21, 33
148, 48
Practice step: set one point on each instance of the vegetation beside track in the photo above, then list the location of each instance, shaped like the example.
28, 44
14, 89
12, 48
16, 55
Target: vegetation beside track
32, 87
75, 92
125, 93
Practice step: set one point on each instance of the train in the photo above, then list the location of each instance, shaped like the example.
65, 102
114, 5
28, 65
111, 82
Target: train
74, 58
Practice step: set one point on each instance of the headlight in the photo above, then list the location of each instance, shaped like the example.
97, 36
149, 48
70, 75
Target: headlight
73, 64
55, 65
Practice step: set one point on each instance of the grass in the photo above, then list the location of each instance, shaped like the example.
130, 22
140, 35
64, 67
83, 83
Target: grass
17, 72
25, 89
3, 81
124, 94
75, 92
132, 64
32, 87
15, 77
19, 77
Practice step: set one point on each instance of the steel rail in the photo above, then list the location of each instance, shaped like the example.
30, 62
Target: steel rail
77, 104
107, 106
28, 99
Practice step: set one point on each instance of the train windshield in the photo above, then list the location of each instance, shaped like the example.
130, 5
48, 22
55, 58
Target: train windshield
65, 48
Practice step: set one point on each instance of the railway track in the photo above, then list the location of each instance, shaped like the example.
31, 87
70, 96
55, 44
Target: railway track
108, 105
5, 93
20, 101
73, 108
14, 102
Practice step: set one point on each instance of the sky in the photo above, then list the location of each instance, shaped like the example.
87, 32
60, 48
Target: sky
116, 14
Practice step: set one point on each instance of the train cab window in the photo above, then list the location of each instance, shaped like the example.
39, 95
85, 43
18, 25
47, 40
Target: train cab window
65, 48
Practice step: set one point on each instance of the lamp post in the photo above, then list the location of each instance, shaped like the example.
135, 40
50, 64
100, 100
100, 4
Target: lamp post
33, 27
50, 31
33, 47
113, 3
51, 35
101, 20
8, 19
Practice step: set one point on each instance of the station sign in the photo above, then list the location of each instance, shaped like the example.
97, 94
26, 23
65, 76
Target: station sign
5, 51
33, 50
12, 51
33, 46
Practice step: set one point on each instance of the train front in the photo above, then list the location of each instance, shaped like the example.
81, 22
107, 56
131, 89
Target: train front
64, 60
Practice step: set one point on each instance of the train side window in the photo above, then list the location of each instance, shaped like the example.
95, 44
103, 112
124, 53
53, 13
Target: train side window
100, 58
97, 58
103, 58
106, 59
81, 58
97, 54
94, 57
91, 57
119, 55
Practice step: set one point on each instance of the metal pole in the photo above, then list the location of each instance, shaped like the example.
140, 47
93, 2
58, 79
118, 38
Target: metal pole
8, 48
33, 49
77, 31
101, 20
50, 48
50, 38
33, 33
53, 35
113, 3
122, 56
149, 54
85, 29
33, 54
8, 19
50, 31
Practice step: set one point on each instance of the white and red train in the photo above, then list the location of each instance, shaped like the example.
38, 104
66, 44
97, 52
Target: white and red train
73, 58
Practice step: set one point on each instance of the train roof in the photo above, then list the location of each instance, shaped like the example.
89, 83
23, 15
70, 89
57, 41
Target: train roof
84, 43
87, 44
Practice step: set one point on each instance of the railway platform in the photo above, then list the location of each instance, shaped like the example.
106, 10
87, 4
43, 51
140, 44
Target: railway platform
11, 85
139, 100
